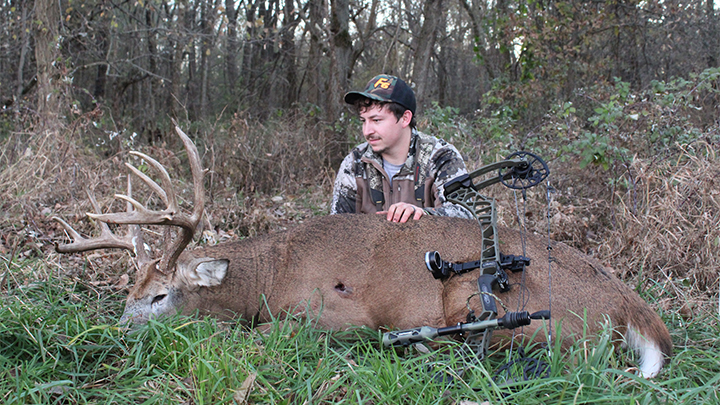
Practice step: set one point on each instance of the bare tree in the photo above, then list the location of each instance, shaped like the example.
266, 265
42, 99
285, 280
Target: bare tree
477, 12
315, 20
341, 52
711, 34
232, 46
207, 43
24, 48
423, 44
49, 69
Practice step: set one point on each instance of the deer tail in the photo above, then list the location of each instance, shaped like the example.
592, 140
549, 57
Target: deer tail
649, 338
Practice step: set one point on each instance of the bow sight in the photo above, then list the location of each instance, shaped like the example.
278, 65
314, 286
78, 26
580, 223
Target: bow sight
519, 171
441, 269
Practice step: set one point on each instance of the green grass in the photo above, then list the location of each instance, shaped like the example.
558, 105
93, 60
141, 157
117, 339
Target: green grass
59, 344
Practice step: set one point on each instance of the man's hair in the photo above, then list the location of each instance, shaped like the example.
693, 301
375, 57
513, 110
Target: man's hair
396, 109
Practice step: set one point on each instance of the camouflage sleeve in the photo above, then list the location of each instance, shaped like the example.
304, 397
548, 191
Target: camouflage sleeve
447, 164
345, 188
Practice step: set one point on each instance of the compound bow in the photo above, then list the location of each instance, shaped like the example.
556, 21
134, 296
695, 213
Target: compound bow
519, 171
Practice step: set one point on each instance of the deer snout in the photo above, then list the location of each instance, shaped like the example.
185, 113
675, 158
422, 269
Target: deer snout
151, 306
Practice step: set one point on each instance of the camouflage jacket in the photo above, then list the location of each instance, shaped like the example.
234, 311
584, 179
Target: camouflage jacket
362, 185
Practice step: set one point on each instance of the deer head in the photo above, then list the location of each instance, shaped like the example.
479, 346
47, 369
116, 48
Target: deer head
163, 276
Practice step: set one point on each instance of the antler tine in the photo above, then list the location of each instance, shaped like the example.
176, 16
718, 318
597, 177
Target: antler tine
107, 238
198, 174
168, 199
142, 215
138, 214
171, 215
168, 261
135, 233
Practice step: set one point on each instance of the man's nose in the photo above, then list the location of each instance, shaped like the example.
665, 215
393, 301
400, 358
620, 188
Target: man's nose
367, 129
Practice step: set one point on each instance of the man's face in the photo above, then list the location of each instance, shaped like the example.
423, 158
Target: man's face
381, 129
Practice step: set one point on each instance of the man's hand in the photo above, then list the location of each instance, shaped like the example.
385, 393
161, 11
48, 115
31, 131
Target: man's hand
401, 212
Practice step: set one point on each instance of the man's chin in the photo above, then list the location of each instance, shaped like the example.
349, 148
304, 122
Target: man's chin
377, 149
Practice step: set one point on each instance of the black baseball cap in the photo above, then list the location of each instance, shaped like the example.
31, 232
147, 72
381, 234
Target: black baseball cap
385, 88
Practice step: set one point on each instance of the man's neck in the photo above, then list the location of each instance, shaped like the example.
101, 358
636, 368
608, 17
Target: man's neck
398, 155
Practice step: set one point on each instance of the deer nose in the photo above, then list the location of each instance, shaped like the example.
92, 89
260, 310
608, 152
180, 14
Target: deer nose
127, 320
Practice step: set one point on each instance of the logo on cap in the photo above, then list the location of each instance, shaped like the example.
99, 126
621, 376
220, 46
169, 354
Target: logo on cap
383, 83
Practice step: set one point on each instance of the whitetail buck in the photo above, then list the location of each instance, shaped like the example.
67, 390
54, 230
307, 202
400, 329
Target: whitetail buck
360, 270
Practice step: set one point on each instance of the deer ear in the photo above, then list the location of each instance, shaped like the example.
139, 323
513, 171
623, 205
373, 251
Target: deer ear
207, 273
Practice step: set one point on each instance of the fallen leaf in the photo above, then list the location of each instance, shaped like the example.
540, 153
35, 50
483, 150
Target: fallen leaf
243, 393
122, 282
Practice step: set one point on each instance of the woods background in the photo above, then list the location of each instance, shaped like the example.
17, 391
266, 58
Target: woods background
143, 61
621, 97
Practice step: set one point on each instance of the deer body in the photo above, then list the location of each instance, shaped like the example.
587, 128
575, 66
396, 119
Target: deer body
363, 270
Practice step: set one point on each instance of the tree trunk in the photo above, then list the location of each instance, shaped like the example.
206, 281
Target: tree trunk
341, 55
49, 73
251, 49
365, 36
207, 22
316, 86
102, 68
231, 46
339, 72
442, 59
477, 14
25, 46
192, 69
424, 43
288, 48
152, 82
504, 43
711, 35
177, 40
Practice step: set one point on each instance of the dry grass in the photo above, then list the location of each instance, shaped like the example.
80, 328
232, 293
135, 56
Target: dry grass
657, 224
280, 155
674, 233
45, 174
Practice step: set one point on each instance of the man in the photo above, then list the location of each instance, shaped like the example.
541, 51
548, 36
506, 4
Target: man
399, 172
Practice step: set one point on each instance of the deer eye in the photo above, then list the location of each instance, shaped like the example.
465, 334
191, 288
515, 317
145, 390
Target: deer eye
158, 298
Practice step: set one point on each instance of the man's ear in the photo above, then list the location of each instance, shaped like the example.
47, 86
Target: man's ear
205, 272
406, 118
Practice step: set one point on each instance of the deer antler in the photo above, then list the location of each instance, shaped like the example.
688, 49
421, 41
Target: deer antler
138, 214
107, 239
131, 241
